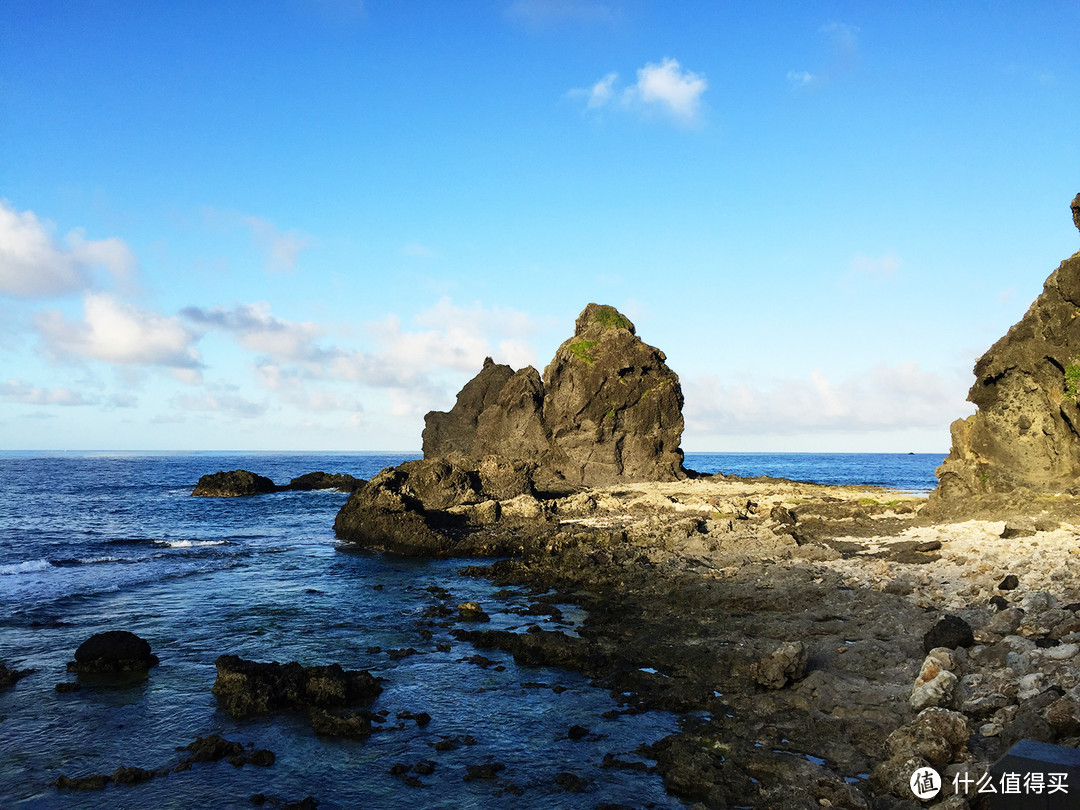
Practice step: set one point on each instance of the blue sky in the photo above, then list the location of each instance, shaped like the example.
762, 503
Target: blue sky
301, 225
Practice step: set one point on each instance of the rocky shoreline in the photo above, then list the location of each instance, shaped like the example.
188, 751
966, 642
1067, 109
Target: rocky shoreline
820, 644
690, 585
694, 590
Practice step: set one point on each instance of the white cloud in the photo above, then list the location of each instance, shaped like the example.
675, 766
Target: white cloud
230, 404
117, 332
24, 394
662, 87
282, 247
33, 264
259, 331
883, 398
547, 13
601, 92
672, 88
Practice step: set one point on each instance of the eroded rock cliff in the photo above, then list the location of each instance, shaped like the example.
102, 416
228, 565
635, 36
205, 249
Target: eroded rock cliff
607, 409
1024, 439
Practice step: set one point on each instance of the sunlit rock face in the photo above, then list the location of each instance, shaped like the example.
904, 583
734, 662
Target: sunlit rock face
607, 409
1024, 439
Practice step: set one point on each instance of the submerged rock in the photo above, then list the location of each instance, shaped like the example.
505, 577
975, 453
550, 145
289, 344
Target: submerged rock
607, 409
113, 652
233, 484
1024, 439
8, 676
246, 687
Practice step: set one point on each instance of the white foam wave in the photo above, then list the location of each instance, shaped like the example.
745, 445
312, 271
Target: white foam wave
27, 567
190, 543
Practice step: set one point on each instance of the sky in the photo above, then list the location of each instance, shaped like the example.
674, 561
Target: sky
301, 225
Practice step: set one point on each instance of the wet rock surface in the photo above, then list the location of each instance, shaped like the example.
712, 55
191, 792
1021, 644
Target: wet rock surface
9, 676
786, 624
607, 409
245, 688
233, 484
113, 652
211, 748
244, 483
443, 508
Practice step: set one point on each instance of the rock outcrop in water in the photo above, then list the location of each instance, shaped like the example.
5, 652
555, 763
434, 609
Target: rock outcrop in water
242, 483
1024, 439
244, 688
233, 484
113, 652
435, 507
607, 409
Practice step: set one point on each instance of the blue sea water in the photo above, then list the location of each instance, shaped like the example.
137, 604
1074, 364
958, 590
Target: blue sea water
908, 472
92, 542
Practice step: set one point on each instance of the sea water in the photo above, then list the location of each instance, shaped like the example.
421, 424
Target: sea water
94, 542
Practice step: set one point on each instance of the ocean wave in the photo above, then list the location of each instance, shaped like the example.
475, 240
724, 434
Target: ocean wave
190, 543
28, 567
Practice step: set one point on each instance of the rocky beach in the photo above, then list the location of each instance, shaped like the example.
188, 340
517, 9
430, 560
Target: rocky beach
821, 644
814, 645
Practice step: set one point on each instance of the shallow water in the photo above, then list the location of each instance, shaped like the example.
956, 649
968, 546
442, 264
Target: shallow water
89, 543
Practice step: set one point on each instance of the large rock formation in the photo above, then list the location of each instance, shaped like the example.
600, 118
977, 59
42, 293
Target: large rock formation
1024, 440
607, 409
433, 507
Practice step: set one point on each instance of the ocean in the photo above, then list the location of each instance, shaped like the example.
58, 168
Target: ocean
102, 541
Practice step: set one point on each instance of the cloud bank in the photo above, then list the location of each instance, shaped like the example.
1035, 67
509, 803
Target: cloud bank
35, 265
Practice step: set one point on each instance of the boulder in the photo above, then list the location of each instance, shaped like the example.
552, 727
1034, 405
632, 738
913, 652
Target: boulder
426, 507
1024, 438
607, 409
244, 688
113, 652
949, 632
233, 484
785, 664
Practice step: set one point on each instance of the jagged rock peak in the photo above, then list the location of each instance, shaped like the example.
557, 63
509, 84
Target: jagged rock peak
607, 409
1076, 211
598, 317
1024, 438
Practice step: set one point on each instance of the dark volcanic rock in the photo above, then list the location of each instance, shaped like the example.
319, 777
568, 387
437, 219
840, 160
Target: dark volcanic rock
321, 480
1024, 439
8, 677
608, 409
1076, 211
114, 651
245, 687
96, 781
426, 507
951, 632
234, 484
